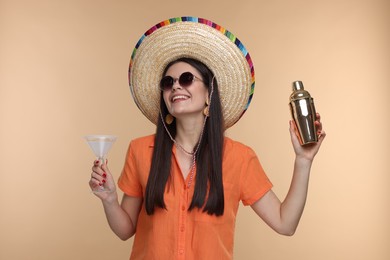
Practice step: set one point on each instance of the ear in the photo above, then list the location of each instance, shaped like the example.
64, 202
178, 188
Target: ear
207, 97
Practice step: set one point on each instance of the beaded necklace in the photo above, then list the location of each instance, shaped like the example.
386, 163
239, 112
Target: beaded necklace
193, 153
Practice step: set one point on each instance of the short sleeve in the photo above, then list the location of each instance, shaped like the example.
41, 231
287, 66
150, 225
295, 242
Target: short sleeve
129, 181
254, 182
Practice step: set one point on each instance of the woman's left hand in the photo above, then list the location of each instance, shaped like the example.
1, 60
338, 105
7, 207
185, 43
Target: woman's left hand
307, 151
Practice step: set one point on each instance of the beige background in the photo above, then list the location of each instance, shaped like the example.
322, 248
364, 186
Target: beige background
63, 74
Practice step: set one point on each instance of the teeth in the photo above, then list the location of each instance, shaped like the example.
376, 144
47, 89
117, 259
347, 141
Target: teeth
178, 97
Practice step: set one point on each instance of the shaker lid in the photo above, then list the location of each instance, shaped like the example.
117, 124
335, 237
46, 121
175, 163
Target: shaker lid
298, 91
297, 85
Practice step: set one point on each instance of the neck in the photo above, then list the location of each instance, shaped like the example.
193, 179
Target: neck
188, 132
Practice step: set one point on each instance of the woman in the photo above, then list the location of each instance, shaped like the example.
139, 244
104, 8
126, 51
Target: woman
182, 186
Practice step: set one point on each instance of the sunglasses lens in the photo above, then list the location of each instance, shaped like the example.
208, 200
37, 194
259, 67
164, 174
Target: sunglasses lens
166, 83
186, 79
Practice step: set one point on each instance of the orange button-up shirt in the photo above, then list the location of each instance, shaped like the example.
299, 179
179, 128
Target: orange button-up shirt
176, 233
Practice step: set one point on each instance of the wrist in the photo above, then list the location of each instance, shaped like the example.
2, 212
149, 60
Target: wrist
303, 160
110, 198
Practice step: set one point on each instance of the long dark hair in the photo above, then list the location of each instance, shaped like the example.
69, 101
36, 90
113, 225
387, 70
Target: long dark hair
208, 157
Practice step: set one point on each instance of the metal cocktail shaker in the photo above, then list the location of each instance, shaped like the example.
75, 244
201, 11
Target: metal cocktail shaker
303, 112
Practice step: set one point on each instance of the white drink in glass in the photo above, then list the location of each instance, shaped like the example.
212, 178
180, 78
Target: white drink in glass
100, 145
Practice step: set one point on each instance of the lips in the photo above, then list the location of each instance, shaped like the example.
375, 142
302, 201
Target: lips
177, 98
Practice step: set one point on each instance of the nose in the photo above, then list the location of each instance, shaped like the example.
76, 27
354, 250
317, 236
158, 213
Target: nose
176, 84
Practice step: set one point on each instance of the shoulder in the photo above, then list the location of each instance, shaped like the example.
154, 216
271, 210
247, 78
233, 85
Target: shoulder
141, 147
144, 141
236, 147
237, 152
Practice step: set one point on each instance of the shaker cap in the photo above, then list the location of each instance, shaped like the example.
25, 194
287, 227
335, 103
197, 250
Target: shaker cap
299, 91
297, 85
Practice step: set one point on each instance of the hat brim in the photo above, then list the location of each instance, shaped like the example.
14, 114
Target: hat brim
194, 38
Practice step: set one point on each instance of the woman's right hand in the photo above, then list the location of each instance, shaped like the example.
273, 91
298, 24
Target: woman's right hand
102, 183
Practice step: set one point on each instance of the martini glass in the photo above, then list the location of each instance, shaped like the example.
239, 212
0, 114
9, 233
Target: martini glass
100, 145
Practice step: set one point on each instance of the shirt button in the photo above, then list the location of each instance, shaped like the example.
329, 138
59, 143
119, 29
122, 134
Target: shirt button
183, 208
182, 229
181, 251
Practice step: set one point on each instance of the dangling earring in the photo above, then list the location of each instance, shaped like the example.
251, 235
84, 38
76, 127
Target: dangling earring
169, 119
206, 109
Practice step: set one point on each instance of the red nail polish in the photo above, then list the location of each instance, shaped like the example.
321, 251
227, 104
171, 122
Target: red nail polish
104, 175
100, 184
104, 181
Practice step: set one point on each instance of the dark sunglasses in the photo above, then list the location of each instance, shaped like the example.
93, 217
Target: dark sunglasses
185, 80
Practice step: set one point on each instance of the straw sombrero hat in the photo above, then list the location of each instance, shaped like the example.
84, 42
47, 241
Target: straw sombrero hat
196, 38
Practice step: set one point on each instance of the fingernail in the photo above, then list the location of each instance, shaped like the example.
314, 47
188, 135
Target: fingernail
100, 184
104, 181
104, 175
96, 162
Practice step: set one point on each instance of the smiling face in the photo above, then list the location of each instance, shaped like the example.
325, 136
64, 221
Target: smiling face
185, 101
